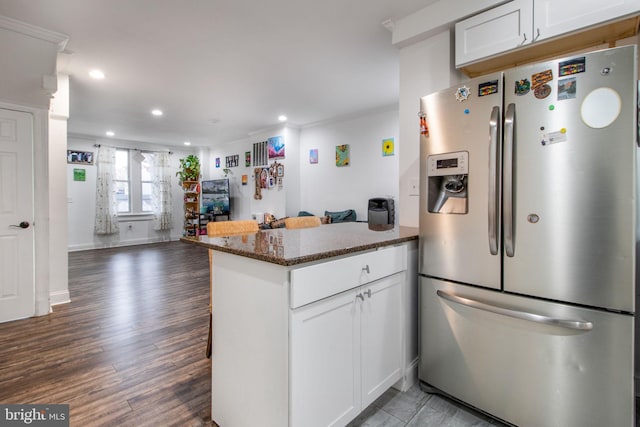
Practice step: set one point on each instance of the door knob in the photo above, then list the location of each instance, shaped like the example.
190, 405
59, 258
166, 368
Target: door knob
23, 224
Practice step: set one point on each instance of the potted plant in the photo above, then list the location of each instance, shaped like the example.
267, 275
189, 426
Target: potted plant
189, 169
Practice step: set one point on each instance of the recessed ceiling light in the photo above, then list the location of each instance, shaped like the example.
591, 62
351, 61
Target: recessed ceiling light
109, 133
187, 143
96, 74
156, 112
282, 118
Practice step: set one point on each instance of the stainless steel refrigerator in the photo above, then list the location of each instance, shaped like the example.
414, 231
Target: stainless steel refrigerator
528, 241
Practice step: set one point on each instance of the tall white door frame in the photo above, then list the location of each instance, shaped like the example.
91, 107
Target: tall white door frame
40, 160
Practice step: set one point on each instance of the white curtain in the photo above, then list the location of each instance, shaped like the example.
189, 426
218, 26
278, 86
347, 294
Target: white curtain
106, 203
161, 175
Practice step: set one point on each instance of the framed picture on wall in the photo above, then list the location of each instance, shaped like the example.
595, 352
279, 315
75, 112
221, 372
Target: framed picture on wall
80, 157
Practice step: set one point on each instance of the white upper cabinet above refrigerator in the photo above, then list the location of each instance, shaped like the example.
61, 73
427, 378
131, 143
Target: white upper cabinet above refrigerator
521, 23
556, 17
497, 30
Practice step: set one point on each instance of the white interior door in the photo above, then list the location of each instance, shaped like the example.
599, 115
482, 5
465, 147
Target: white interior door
17, 299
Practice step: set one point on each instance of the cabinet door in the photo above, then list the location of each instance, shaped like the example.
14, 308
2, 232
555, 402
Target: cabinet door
382, 337
497, 30
554, 17
325, 361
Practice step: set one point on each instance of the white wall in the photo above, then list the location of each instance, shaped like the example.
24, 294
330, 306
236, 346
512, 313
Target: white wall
319, 187
425, 67
279, 201
326, 187
81, 201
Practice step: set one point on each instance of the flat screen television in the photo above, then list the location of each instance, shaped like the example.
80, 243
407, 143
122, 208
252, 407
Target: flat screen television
216, 197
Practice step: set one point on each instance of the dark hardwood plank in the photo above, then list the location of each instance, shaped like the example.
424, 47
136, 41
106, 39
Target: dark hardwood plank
129, 350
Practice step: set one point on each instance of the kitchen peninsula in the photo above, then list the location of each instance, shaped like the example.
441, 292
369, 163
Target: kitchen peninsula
311, 325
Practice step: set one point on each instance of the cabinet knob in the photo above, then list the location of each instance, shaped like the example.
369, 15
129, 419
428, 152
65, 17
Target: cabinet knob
366, 269
367, 293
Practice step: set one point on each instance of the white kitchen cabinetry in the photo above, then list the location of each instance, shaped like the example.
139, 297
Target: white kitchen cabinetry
346, 350
497, 30
520, 23
556, 17
311, 344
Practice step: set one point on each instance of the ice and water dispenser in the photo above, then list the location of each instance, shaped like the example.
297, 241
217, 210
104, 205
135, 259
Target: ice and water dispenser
447, 178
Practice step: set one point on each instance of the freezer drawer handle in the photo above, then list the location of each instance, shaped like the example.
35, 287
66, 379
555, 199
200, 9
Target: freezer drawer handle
531, 317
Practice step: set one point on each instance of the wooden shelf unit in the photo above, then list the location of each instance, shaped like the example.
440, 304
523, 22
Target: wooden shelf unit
191, 190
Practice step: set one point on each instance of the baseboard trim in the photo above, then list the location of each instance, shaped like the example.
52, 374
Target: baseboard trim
59, 297
410, 377
119, 243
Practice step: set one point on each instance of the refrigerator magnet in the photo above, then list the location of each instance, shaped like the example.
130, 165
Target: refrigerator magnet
572, 66
541, 92
541, 78
424, 128
488, 88
522, 87
554, 137
463, 93
567, 88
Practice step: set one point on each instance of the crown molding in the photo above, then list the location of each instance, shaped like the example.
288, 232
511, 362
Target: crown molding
58, 39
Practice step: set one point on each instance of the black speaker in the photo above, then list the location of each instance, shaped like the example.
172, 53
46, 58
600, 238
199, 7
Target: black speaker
381, 211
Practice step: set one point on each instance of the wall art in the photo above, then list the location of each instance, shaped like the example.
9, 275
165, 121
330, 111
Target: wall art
313, 156
276, 147
79, 175
80, 157
342, 155
232, 161
387, 147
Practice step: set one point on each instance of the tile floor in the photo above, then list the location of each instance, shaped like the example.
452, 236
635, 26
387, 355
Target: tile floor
415, 408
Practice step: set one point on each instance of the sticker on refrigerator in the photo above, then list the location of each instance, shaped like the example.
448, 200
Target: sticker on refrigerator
522, 87
572, 66
567, 88
554, 137
463, 93
539, 79
488, 88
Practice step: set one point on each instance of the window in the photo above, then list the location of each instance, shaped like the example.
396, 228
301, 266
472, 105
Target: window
122, 181
147, 183
134, 186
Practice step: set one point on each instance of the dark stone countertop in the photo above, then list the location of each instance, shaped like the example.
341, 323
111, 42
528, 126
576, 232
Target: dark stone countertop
296, 246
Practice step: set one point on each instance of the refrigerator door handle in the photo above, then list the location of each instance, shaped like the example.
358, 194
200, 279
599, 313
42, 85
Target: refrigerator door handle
507, 192
494, 173
579, 325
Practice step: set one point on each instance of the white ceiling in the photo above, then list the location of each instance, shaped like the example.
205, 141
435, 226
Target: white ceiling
220, 69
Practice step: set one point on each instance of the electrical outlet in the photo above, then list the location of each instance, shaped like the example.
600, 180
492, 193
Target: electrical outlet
414, 187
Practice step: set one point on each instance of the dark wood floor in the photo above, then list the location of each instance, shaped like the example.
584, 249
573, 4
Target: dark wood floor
129, 350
